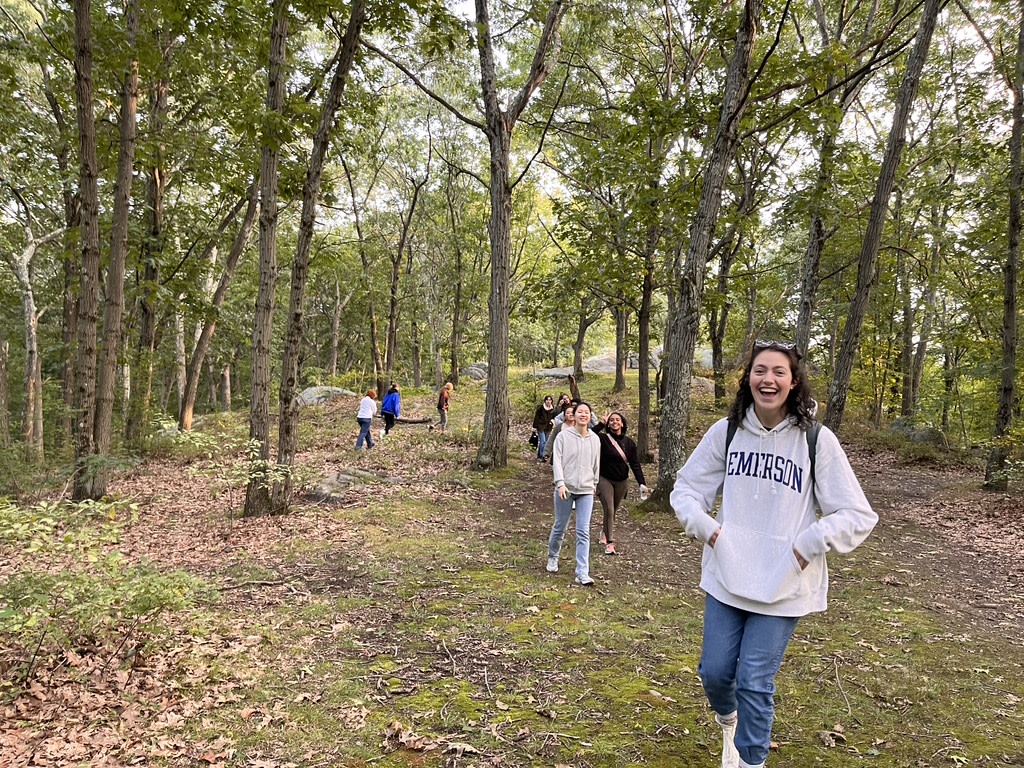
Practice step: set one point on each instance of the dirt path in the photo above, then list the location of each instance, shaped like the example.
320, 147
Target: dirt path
940, 538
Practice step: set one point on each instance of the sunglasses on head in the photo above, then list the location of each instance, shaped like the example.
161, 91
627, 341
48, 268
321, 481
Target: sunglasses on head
772, 344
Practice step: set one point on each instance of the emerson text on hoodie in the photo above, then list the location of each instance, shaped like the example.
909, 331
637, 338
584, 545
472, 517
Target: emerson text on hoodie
769, 509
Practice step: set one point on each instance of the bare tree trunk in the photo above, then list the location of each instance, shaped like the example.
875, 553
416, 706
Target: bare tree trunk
89, 294
186, 409
288, 434
225, 385
995, 476
500, 123
621, 346
21, 266
180, 360
643, 429
417, 355
335, 330
684, 323
815, 243
364, 257
5, 423
113, 311
257, 493
152, 251
391, 349
867, 270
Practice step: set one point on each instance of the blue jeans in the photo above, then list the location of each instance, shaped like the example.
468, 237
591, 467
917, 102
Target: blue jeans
364, 434
741, 656
542, 440
563, 510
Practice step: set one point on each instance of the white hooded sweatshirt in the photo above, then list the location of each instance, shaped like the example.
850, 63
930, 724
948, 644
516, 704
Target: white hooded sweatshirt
768, 510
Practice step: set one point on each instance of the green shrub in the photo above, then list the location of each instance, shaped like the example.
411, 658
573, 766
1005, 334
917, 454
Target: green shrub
73, 589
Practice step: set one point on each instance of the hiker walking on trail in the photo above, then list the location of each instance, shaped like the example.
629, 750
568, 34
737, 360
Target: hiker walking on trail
443, 402
618, 456
391, 408
367, 410
763, 564
575, 462
542, 419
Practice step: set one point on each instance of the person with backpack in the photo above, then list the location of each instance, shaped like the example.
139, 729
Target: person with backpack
391, 408
763, 566
443, 403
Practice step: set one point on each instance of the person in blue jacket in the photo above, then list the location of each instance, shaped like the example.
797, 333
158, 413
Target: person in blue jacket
391, 408
763, 568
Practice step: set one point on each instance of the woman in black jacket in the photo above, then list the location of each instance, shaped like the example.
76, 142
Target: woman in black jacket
618, 456
542, 424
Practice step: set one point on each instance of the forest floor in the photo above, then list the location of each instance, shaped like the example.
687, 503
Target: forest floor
411, 622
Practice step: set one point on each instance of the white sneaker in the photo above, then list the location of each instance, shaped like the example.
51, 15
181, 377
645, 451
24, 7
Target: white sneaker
552, 565
730, 757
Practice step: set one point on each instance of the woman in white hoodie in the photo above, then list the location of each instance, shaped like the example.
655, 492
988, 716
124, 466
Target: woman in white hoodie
764, 564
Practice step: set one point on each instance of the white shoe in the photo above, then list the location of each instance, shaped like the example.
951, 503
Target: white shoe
552, 565
730, 757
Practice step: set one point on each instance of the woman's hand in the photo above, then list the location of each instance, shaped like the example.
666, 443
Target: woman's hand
800, 559
714, 538
563, 493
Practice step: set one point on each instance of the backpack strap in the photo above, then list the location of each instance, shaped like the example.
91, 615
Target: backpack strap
811, 433
812, 445
729, 435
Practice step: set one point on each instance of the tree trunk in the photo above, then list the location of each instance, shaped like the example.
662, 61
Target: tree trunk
225, 386
684, 323
257, 492
493, 452
186, 409
867, 270
288, 434
5, 423
621, 346
137, 419
815, 243
335, 330
113, 311
21, 266
995, 475
643, 429
89, 293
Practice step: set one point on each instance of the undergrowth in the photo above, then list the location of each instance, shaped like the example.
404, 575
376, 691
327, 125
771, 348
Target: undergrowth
71, 589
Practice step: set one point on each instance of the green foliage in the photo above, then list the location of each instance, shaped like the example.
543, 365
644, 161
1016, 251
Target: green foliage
214, 439
74, 589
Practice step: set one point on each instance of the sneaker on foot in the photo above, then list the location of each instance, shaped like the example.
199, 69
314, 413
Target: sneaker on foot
431, 427
584, 581
730, 757
610, 550
603, 539
552, 565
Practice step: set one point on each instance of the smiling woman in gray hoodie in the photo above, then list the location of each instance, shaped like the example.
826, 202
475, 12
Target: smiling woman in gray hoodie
575, 460
763, 565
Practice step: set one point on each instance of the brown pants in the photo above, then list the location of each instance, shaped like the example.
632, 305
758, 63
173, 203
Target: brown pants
611, 494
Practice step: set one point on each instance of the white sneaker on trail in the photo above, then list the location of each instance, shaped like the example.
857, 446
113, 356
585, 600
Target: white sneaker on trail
552, 565
730, 757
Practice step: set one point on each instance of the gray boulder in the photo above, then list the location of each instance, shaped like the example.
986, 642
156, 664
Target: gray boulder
320, 395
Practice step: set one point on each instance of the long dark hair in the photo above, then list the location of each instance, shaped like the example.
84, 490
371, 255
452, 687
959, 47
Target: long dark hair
800, 403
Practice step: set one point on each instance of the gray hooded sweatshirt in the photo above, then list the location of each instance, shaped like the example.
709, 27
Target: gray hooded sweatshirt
768, 510
576, 460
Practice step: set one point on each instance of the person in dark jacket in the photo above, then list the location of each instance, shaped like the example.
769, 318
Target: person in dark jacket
391, 408
618, 456
542, 424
